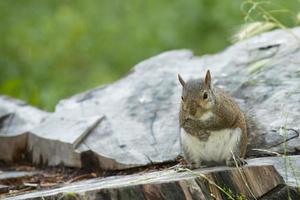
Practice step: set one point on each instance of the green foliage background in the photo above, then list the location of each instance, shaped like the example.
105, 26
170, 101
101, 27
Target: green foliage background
52, 49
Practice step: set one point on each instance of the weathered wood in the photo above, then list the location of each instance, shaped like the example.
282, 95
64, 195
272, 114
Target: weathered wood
54, 141
282, 192
3, 189
203, 184
13, 148
287, 166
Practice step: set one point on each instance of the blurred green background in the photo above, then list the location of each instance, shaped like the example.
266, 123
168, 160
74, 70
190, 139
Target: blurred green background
52, 49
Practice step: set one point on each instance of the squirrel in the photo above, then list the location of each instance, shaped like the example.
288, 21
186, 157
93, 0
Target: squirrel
214, 128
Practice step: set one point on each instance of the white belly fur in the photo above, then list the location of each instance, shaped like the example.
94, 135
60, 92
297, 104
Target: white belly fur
217, 148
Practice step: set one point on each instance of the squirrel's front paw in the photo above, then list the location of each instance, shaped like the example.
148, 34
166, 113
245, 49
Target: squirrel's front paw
196, 165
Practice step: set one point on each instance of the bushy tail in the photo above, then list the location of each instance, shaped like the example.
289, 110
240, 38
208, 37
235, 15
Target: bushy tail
256, 135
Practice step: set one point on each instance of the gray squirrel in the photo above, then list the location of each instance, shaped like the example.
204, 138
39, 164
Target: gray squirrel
214, 128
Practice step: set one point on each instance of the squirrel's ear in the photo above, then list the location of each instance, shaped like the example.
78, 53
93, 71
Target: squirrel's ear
208, 79
182, 82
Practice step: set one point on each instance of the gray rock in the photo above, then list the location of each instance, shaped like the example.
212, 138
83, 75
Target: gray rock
139, 113
16, 120
141, 122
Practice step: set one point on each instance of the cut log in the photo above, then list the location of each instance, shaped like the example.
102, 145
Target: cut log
282, 192
211, 183
287, 166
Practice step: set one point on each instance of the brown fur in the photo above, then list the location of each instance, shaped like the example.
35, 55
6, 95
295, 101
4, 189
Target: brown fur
231, 116
226, 112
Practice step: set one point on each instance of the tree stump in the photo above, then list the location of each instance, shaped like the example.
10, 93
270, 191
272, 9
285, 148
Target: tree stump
248, 182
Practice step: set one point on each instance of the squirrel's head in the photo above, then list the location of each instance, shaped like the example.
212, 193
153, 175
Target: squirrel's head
197, 96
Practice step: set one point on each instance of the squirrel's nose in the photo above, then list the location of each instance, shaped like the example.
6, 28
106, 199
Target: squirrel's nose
193, 109
192, 112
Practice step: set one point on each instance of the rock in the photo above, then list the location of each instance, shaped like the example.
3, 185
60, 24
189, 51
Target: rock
141, 123
16, 120
134, 121
220, 183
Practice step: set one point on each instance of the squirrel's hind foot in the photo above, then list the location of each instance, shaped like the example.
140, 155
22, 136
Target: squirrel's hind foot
180, 167
237, 162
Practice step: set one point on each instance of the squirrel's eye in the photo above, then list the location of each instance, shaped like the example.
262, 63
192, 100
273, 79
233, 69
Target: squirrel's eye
205, 95
182, 98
